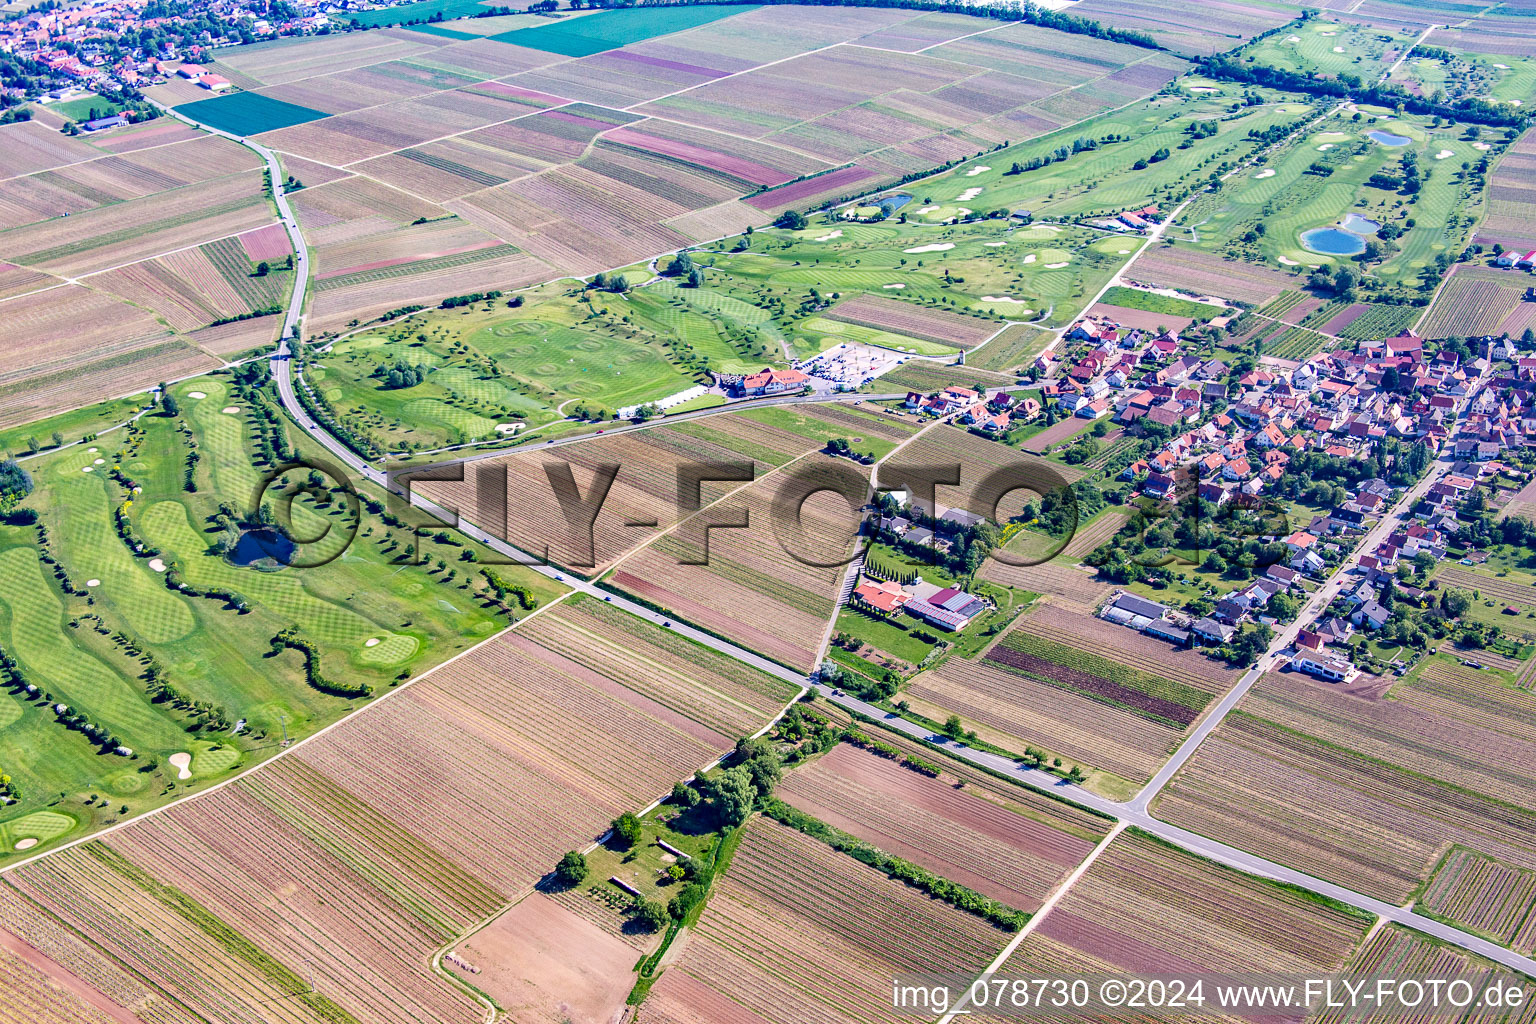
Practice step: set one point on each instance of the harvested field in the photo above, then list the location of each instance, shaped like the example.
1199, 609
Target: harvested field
27, 147
141, 228
269, 243
1352, 788
645, 489
1140, 318
979, 458
354, 860
1201, 31
762, 586
952, 833
1135, 650
807, 934
541, 962
1055, 433
1202, 273
30, 995
1068, 586
915, 321
74, 345
1144, 908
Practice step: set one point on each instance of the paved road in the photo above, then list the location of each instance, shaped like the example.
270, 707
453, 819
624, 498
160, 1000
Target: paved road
1131, 813
1273, 658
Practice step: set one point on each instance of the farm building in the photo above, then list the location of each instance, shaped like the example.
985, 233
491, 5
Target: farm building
769, 381
881, 596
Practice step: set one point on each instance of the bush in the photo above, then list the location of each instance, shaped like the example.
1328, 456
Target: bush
650, 915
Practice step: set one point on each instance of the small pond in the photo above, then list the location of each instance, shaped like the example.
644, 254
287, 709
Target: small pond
1333, 242
890, 204
1387, 138
1359, 225
262, 545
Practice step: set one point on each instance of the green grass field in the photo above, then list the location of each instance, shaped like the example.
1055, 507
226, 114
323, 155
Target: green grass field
417, 12
1331, 48
79, 109
248, 113
1102, 181
611, 29
74, 425
376, 618
1286, 199
1137, 298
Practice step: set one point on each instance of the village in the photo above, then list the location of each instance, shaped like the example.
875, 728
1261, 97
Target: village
1293, 466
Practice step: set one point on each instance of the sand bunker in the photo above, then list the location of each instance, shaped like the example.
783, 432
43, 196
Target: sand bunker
1482, 146
893, 286
1293, 39
1338, 49
507, 428
994, 245
1333, 135
196, 394
1502, 67
1002, 298
935, 247
372, 641
93, 450
1289, 263
1030, 258
1054, 266
27, 843
1268, 172
1443, 154
93, 583
976, 170
969, 194
230, 410
87, 469
829, 236
183, 765
99, 462
1325, 147
157, 564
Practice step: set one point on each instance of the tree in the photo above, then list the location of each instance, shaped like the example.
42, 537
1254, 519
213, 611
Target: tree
572, 869
952, 727
729, 794
1283, 607
58, 438
792, 220
684, 795
681, 265
15, 482
626, 831
169, 405
690, 896
1455, 603
650, 915
263, 268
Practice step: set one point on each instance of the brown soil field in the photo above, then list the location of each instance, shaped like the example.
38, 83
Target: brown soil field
979, 458
1207, 274
929, 822
1142, 318
1057, 432
645, 489
26, 148
540, 962
1095, 635
1143, 908
28, 994
1349, 788
802, 934
915, 321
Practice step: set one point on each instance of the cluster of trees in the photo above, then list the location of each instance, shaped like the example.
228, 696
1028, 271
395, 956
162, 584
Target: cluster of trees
15, 484
616, 283
1226, 68
455, 301
843, 447
969, 546
505, 589
290, 638
683, 267
401, 375
1057, 155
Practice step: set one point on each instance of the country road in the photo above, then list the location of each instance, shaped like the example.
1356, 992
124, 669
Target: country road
1134, 812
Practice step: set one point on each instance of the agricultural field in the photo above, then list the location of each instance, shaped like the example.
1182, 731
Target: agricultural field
319, 887
1208, 29
1047, 684
149, 632
772, 585
1325, 175
1293, 748
813, 934
1398, 951
1146, 908
1477, 300
955, 834
1190, 269
646, 488
1512, 197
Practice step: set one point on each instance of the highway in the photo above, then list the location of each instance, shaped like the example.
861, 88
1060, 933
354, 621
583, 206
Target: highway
1134, 812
